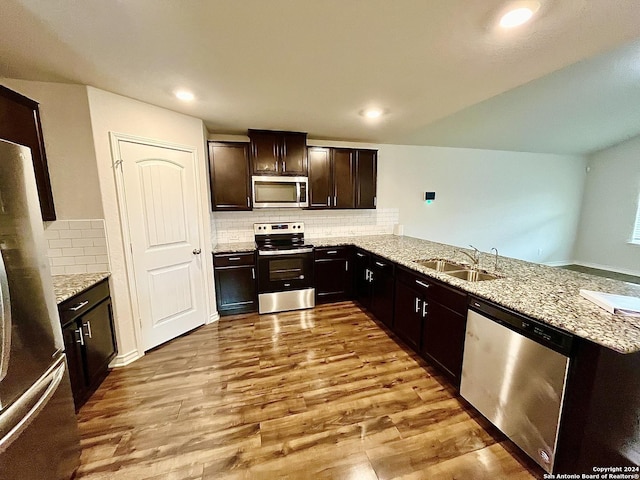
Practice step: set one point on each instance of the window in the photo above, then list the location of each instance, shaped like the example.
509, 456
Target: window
635, 236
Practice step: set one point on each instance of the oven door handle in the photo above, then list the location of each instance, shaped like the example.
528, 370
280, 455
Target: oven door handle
286, 252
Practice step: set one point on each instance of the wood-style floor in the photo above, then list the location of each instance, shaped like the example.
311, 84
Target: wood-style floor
315, 394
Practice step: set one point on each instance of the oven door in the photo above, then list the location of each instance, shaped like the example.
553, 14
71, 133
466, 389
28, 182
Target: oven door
285, 272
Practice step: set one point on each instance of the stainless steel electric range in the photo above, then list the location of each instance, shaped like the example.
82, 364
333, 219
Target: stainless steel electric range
285, 267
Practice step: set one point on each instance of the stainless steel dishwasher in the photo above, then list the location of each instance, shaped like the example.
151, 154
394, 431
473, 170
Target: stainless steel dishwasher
514, 372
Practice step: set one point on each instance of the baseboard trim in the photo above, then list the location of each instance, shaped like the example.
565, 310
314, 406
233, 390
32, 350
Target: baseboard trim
125, 359
214, 317
624, 271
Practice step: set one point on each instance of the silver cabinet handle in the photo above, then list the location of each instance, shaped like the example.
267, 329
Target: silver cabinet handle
196, 251
233, 259
253, 273
346, 265
370, 276
88, 325
80, 337
380, 264
375, 201
360, 254
424, 309
332, 252
328, 201
78, 306
422, 284
248, 202
417, 304
335, 201
5, 322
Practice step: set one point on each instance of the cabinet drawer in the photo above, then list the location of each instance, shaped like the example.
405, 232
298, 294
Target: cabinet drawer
447, 296
330, 253
83, 302
233, 259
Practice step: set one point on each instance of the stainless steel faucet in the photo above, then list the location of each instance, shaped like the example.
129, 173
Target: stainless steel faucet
496, 265
475, 257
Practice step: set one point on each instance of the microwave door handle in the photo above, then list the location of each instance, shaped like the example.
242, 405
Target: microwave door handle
298, 192
5, 321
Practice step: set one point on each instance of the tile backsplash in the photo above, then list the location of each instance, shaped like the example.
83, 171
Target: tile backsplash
76, 246
229, 227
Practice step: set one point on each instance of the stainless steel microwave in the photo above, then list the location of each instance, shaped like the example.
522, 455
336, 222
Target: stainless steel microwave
279, 192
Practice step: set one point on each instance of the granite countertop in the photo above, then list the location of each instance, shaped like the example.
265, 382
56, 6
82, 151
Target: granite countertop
66, 286
548, 294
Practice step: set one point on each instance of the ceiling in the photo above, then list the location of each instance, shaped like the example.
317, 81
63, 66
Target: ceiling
443, 71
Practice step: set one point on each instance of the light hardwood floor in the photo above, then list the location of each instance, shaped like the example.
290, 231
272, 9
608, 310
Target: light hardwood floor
315, 394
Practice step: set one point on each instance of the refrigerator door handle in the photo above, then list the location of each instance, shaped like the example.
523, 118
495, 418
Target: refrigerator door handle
5, 321
24, 410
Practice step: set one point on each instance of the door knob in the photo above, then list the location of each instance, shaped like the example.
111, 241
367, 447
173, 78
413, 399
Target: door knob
196, 251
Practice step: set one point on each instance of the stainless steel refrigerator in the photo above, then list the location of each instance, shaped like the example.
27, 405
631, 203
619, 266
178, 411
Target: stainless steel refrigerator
38, 428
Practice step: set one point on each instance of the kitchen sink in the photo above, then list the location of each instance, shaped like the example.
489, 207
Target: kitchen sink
458, 270
473, 275
440, 265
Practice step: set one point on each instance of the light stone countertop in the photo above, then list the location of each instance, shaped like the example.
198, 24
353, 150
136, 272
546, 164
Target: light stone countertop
548, 294
66, 286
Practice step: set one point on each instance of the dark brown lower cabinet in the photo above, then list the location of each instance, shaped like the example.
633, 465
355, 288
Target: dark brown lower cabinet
89, 339
235, 278
431, 317
332, 271
383, 286
408, 317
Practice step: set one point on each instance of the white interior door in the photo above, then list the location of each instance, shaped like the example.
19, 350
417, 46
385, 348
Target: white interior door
161, 208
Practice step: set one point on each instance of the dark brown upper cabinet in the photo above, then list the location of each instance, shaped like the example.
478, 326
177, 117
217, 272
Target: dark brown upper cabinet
366, 176
20, 123
229, 176
331, 177
278, 153
320, 185
342, 177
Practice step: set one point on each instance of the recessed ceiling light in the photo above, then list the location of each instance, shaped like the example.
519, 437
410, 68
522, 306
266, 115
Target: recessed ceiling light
519, 14
185, 95
372, 113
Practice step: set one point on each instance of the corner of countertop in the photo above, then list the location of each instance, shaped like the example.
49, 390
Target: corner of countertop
66, 286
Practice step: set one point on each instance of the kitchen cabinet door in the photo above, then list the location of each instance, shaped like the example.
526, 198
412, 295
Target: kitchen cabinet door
20, 123
293, 158
99, 341
320, 188
382, 280
71, 335
366, 178
361, 282
332, 274
443, 339
343, 178
408, 312
235, 279
229, 176
265, 153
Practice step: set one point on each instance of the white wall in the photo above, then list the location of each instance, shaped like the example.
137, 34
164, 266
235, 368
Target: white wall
609, 209
66, 127
114, 113
526, 205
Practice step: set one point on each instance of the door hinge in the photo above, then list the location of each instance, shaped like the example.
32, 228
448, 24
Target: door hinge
117, 163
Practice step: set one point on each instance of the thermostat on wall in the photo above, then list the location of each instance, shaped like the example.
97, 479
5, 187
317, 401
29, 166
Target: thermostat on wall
429, 196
